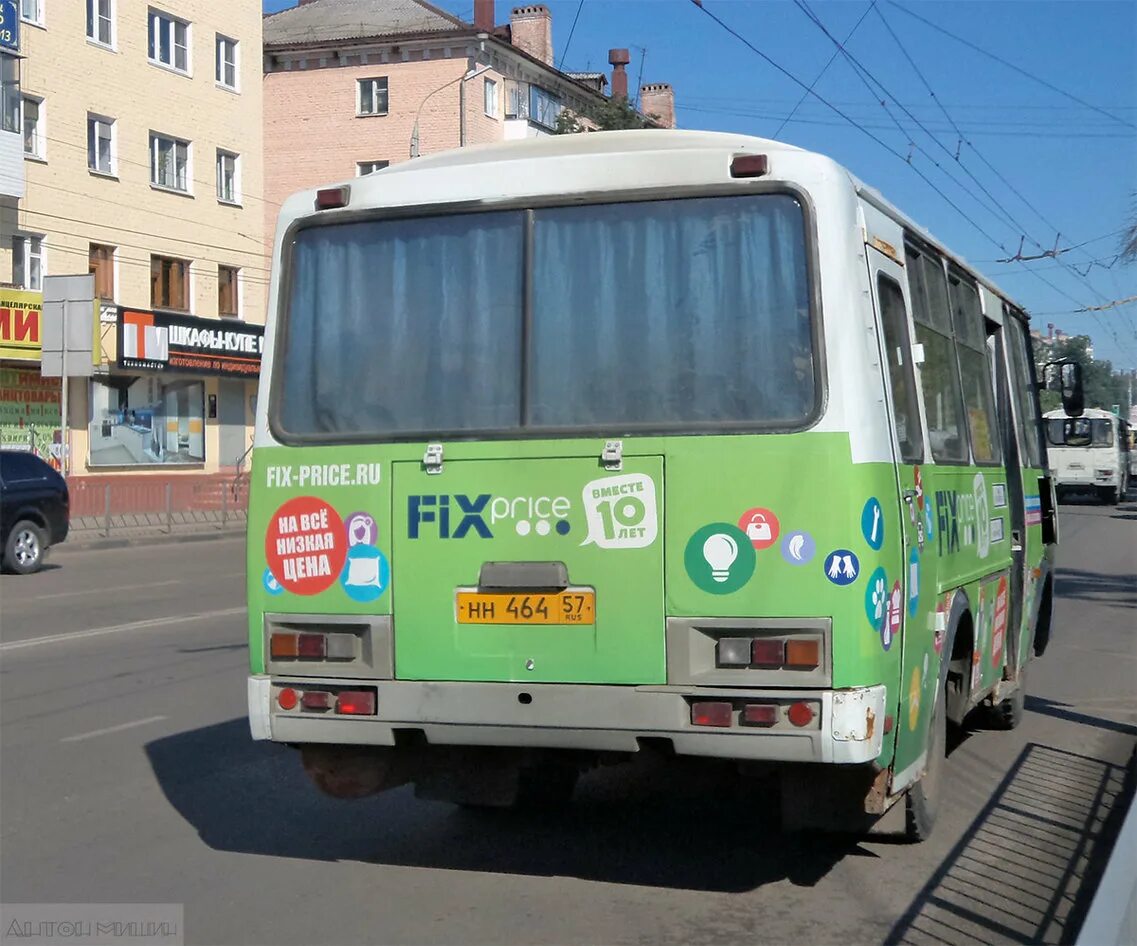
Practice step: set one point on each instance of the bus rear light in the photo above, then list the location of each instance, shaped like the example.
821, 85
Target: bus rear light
749, 165
733, 651
316, 700
712, 714
800, 714
760, 714
312, 645
356, 703
803, 655
283, 645
329, 198
768, 652
340, 646
287, 698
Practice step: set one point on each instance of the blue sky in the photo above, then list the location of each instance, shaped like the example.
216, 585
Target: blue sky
1074, 169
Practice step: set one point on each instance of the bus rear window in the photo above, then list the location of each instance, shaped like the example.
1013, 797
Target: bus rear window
1079, 432
655, 314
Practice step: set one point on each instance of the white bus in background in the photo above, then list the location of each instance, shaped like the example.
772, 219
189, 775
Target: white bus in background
1089, 453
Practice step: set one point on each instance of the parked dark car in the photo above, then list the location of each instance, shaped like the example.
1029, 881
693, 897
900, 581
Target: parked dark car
34, 510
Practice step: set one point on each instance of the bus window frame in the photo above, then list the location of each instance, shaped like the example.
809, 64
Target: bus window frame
914, 244
1015, 322
953, 271
522, 204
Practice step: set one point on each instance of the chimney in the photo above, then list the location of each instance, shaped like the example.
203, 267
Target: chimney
484, 15
531, 31
658, 99
617, 59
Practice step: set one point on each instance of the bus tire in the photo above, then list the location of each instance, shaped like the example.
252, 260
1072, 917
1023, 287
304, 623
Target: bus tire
1008, 713
923, 799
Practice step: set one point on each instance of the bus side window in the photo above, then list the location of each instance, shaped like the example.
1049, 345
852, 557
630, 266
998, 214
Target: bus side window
939, 375
902, 380
1023, 392
971, 349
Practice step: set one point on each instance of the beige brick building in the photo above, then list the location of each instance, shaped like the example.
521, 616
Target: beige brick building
142, 141
354, 85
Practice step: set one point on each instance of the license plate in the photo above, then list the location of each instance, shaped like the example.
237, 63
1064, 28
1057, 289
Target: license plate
574, 606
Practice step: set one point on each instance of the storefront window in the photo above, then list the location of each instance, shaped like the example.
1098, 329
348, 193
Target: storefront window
30, 418
142, 421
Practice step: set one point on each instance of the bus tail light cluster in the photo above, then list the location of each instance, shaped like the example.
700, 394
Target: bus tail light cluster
284, 645
340, 702
764, 714
769, 653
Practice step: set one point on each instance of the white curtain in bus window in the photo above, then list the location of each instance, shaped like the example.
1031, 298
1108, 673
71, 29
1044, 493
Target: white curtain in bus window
971, 347
939, 374
666, 313
404, 325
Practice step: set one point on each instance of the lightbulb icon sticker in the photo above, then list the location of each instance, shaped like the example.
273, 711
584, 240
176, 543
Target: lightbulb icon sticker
719, 558
720, 551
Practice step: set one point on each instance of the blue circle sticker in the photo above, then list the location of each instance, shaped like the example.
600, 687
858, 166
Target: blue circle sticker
798, 548
872, 523
876, 599
842, 567
272, 586
365, 574
913, 581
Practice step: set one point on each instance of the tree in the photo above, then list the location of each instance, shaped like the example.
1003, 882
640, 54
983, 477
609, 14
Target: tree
609, 115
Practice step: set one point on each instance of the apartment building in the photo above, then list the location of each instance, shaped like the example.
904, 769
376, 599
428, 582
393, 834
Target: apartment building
352, 86
141, 162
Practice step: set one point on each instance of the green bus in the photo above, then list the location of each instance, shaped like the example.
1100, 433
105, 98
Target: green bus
639, 442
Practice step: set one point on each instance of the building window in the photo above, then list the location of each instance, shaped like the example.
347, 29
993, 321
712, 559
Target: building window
363, 168
32, 11
228, 177
101, 264
373, 96
10, 93
100, 144
27, 261
226, 62
34, 130
227, 295
490, 95
516, 99
169, 163
100, 21
169, 41
169, 283
544, 107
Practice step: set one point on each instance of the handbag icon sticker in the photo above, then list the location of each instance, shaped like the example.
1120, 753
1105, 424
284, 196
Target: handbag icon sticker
761, 527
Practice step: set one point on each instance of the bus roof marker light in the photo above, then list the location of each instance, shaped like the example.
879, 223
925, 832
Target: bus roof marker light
749, 165
329, 198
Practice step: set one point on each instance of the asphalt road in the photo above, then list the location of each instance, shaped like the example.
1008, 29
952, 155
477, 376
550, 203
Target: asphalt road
128, 776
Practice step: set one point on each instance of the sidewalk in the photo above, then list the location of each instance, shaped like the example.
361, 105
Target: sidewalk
91, 532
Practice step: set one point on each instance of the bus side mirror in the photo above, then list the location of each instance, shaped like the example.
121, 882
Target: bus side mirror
1066, 377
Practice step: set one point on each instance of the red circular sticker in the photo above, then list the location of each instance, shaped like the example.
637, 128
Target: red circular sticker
306, 545
761, 527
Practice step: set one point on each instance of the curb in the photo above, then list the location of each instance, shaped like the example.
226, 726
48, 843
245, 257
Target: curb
1112, 917
87, 545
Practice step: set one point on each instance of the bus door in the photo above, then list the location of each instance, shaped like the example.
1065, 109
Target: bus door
917, 688
1013, 501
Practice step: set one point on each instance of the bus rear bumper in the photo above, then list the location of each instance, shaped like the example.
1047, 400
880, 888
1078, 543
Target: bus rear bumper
847, 725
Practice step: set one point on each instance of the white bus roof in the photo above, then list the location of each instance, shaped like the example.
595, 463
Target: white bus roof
644, 141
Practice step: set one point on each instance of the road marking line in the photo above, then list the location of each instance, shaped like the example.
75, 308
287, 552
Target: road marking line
91, 591
110, 729
119, 628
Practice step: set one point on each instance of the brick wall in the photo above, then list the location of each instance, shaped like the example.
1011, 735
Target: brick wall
313, 136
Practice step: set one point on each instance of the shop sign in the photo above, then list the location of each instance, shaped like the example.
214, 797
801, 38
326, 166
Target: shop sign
184, 344
30, 416
21, 324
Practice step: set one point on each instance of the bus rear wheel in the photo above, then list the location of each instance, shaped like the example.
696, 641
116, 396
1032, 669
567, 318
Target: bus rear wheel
1109, 495
923, 799
1008, 713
